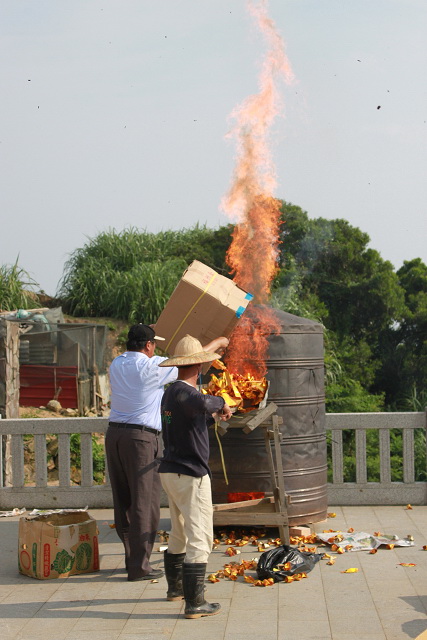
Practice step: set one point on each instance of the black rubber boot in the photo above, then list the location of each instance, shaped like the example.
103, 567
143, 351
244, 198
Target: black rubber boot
193, 582
173, 571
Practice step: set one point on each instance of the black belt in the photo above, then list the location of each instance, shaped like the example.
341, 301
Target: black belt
128, 425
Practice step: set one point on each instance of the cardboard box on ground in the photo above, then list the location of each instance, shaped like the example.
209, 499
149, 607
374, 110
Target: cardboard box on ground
58, 545
204, 305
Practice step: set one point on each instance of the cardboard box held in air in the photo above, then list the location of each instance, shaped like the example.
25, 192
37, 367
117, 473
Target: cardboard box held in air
204, 304
57, 545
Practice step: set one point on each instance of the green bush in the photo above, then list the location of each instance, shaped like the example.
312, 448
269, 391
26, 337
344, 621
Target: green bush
98, 453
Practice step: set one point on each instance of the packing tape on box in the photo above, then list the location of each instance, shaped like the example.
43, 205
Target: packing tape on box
241, 310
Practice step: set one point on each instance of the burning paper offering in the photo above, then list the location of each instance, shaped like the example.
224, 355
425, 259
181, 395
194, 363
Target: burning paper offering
241, 393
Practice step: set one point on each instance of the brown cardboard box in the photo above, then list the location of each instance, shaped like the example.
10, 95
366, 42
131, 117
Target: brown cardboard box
204, 304
57, 545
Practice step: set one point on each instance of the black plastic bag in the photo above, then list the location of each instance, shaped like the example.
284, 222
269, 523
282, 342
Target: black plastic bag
300, 562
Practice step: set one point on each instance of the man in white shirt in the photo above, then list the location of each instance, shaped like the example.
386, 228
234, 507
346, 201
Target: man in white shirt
133, 447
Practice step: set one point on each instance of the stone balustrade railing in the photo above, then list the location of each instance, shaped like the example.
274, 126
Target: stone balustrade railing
385, 491
43, 495
15, 492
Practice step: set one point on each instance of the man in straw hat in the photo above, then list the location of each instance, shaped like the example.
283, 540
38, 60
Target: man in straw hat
133, 446
186, 477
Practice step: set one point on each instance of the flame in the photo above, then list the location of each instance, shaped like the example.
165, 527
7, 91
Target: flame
242, 497
247, 351
254, 250
254, 172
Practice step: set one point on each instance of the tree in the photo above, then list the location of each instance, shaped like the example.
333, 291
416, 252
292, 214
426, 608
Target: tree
360, 289
294, 228
403, 347
329, 272
331, 258
375, 320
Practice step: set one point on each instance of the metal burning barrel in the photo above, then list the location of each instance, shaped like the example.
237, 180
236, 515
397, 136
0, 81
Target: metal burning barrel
296, 386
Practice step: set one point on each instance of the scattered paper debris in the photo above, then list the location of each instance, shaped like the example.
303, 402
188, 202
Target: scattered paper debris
362, 541
163, 536
15, 512
351, 570
232, 552
212, 577
48, 512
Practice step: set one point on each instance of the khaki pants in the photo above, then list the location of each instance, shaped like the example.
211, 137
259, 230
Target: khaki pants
190, 505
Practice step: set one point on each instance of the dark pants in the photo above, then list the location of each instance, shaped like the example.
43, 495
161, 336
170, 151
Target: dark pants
133, 459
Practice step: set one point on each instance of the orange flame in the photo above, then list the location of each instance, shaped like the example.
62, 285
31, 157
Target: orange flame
254, 251
247, 351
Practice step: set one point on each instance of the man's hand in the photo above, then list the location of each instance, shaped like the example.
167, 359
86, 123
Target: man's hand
218, 345
226, 413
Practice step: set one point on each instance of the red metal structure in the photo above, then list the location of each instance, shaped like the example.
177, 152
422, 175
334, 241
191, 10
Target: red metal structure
39, 384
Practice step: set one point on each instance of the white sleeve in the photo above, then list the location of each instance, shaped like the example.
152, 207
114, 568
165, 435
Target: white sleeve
165, 374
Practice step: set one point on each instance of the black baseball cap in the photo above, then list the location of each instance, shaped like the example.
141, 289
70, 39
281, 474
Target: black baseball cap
142, 333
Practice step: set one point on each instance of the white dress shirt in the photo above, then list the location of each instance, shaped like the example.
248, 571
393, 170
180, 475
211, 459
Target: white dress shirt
137, 384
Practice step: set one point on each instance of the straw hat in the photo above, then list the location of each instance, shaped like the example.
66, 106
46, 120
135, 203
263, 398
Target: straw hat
189, 350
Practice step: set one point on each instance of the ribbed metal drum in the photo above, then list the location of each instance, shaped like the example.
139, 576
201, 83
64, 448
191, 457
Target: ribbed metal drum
296, 377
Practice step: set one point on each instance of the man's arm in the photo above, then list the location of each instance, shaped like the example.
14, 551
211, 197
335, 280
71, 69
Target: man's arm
193, 402
217, 345
211, 404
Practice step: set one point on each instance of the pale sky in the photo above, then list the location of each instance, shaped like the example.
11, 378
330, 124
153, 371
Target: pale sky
115, 114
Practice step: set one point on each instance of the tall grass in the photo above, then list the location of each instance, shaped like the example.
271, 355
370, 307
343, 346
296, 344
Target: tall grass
16, 288
416, 400
131, 274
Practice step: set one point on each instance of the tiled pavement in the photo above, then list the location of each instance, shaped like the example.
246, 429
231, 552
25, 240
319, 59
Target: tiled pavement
383, 601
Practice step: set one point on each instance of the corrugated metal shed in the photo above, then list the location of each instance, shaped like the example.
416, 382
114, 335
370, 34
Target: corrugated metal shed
40, 383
